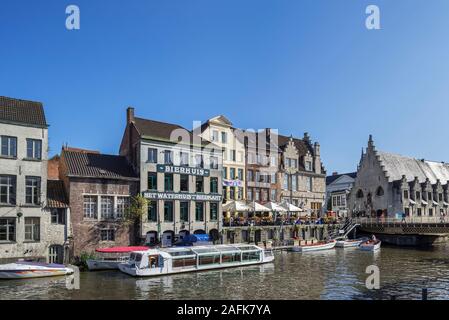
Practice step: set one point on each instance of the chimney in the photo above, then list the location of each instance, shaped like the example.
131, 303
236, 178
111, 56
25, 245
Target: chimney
129, 115
316, 149
335, 173
306, 137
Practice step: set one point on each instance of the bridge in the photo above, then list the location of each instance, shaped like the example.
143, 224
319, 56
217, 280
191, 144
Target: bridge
411, 231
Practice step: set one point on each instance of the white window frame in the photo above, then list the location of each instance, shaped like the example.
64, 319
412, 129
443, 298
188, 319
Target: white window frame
107, 208
108, 232
34, 150
8, 140
91, 206
34, 224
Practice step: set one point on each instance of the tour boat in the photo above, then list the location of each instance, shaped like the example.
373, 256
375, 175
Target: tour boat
370, 245
347, 243
111, 257
157, 262
315, 246
25, 270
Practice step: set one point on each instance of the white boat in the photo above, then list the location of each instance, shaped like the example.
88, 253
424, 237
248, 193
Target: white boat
110, 258
157, 262
347, 243
370, 245
315, 246
25, 270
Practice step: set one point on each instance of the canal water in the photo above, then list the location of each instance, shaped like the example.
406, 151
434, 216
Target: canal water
333, 274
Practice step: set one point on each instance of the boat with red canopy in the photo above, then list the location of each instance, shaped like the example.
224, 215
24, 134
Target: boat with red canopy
110, 258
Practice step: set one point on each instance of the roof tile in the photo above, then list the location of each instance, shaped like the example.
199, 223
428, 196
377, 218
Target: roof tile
22, 112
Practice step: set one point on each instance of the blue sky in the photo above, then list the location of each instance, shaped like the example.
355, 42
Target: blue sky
295, 65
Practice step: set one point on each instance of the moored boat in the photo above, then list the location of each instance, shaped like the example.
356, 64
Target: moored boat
157, 262
348, 243
25, 270
315, 246
110, 258
370, 245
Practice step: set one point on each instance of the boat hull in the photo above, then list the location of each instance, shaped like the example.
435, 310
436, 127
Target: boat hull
348, 244
24, 271
123, 267
318, 247
95, 265
370, 247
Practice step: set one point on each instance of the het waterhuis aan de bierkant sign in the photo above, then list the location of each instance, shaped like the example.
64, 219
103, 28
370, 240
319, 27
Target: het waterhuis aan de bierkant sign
183, 170
155, 195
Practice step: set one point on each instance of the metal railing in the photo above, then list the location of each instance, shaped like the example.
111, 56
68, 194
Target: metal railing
278, 222
406, 220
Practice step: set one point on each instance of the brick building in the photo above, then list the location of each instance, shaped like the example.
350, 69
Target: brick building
99, 188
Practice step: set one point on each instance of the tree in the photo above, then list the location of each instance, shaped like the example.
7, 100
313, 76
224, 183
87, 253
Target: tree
134, 215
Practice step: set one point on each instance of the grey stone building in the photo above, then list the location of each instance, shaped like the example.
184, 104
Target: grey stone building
302, 175
180, 175
390, 184
29, 227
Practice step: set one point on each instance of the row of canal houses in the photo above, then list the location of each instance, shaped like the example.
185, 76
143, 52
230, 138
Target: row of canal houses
59, 208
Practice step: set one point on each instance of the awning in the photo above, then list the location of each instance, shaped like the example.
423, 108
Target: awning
121, 249
446, 204
412, 202
435, 203
424, 202
236, 206
257, 207
273, 206
291, 208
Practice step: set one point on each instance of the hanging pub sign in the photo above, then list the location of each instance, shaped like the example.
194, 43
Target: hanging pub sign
154, 195
232, 183
183, 170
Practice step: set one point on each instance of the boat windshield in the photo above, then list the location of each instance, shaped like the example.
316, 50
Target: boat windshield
136, 257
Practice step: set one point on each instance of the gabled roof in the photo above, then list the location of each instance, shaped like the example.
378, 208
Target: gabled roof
162, 130
302, 146
94, 165
56, 197
332, 178
24, 112
396, 166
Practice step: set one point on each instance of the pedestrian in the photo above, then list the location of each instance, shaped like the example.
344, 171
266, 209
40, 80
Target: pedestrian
403, 217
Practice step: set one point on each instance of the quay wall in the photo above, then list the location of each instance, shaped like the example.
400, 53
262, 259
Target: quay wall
278, 234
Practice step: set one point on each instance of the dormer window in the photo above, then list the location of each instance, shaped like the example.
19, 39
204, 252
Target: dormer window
224, 138
380, 192
308, 165
214, 135
405, 194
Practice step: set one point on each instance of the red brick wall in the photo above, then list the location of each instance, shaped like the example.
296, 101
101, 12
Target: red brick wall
86, 234
53, 168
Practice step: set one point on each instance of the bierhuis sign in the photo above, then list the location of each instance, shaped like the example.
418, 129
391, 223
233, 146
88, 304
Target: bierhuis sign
183, 170
154, 195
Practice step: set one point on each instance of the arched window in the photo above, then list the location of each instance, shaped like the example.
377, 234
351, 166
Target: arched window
379, 192
360, 193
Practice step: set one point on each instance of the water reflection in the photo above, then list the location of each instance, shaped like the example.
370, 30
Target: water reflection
334, 274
